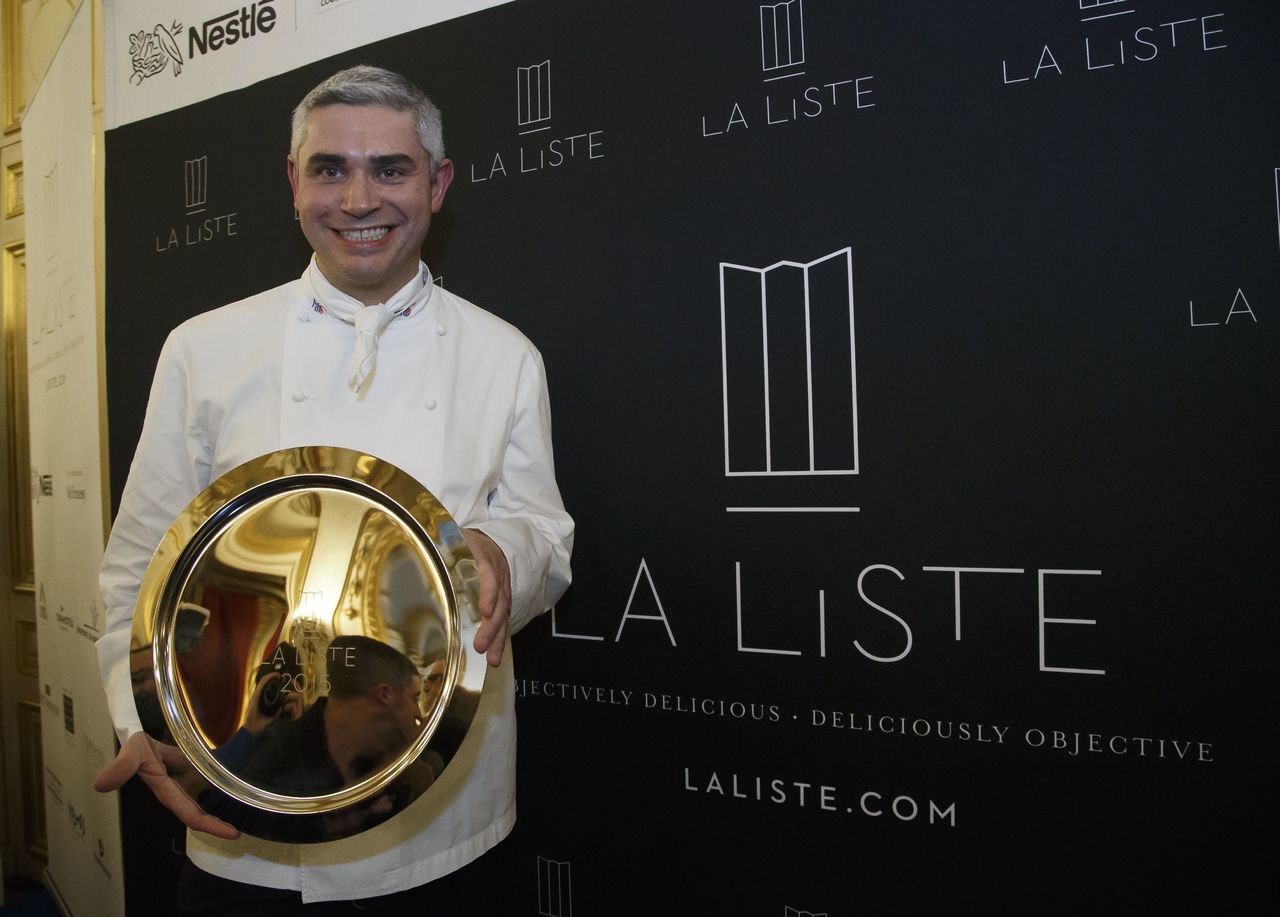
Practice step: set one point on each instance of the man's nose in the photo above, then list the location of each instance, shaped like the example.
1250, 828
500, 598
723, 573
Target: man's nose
360, 196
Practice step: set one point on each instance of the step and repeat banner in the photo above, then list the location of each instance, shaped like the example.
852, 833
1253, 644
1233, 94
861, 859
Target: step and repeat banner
63, 392
915, 379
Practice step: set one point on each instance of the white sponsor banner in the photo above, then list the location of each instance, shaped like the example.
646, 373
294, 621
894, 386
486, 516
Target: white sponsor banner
67, 523
166, 54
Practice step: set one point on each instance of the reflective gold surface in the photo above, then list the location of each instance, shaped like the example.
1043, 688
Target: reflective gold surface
304, 634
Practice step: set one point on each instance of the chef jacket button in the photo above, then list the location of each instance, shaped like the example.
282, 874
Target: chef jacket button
441, 329
299, 395
429, 404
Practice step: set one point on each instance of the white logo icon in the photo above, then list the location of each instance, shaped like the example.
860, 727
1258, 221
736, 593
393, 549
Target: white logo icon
781, 36
792, 912
195, 179
533, 97
789, 367
1277, 177
49, 194
555, 888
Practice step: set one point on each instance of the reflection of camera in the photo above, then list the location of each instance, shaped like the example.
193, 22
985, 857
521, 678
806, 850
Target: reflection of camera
284, 662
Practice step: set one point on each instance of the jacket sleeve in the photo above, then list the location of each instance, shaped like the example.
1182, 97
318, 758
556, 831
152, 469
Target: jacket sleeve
170, 466
527, 519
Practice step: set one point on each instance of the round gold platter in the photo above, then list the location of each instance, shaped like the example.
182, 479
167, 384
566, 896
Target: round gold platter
304, 635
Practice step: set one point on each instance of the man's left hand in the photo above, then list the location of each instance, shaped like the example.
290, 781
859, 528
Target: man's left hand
495, 595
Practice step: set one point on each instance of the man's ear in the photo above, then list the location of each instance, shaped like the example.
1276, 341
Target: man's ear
292, 169
382, 693
440, 184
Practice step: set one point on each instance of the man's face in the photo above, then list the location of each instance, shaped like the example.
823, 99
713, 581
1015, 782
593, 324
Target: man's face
406, 713
361, 183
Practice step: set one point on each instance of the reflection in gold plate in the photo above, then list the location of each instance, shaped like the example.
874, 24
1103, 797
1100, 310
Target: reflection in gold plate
333, 580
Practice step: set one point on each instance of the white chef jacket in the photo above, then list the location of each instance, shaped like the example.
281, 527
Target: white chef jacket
458, 400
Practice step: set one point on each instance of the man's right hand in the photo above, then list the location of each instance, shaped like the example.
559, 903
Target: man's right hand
153, 762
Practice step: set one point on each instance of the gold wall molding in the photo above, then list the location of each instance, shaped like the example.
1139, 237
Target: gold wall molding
14, 201
15, 351
26, 645
32, 31
12, 50
32, 755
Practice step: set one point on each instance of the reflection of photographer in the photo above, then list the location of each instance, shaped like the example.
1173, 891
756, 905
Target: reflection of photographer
370, 716
285, 667
268, 703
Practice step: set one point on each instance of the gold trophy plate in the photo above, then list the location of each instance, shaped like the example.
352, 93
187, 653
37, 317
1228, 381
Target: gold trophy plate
304, 635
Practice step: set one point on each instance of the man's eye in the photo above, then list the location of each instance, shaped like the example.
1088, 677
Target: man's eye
391, 173
328, 172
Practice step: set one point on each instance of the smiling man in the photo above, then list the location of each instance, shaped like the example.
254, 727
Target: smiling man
365, 189
362, 351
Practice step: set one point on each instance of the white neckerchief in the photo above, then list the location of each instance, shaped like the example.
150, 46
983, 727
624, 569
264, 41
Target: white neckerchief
369, 321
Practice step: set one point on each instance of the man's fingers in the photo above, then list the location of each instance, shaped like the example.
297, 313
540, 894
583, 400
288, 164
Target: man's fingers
488, 592
495, 595
173, 798
135, 751
151, 761
115, 775
491, 638
499, 643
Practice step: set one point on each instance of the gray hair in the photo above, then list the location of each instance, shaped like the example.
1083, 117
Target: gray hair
365, 85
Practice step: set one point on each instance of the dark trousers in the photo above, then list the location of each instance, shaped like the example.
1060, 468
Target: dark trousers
470, 892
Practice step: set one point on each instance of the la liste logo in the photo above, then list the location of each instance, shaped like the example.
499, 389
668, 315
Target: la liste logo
786, 98
200, 225
159, 49
540, 148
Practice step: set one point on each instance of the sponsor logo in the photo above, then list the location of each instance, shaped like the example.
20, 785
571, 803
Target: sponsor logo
533, 97
53, 783
159, 49
782, 38
229, 28
76, 818
154, 51
195, 184
555, 888
68, 714
324, 6
52, 204
788, 367
1109, 40
788, 101
540, 149
48, 704
1239, 306
46, 485
97, 758
199, 227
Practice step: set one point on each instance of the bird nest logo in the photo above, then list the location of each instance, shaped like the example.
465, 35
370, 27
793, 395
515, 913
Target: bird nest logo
150, 52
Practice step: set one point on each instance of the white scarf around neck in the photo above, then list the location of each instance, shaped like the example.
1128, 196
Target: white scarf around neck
369, 321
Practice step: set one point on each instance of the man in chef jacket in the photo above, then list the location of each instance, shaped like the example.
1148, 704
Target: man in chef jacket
364, 352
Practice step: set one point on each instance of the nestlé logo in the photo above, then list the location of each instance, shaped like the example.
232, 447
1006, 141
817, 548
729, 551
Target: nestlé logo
151, 52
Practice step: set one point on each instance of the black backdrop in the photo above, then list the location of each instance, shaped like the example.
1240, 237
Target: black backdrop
1064, 241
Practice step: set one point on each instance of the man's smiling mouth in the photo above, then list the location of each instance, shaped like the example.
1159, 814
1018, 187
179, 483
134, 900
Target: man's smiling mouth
364, 235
